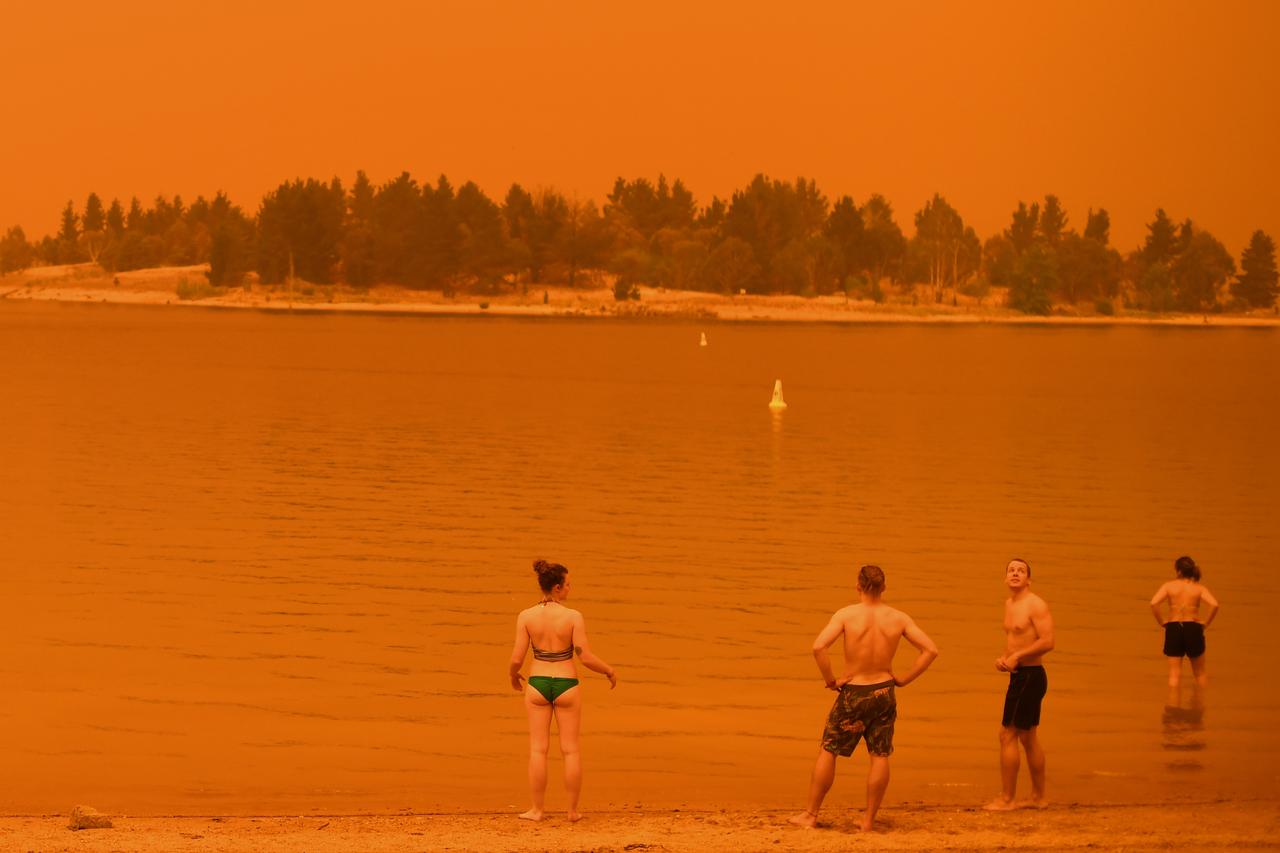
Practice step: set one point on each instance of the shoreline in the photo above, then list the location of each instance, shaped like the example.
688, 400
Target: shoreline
86, 283
1218, 824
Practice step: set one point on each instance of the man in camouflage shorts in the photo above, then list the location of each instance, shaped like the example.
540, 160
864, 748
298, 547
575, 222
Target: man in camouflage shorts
862, 711
866, 706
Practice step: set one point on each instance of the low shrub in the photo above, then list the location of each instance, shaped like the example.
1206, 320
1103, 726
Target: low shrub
196, 290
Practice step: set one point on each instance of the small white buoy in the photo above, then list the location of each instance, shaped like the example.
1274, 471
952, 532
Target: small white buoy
777, 402
702, 342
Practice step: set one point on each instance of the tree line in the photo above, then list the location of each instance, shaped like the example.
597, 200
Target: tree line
771, 236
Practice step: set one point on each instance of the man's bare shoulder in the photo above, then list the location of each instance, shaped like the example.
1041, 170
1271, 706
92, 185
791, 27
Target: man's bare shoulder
1036, 604
883, 613
901, 615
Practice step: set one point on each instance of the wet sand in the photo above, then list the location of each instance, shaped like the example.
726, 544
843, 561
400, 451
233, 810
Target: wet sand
89, 283
1238, 825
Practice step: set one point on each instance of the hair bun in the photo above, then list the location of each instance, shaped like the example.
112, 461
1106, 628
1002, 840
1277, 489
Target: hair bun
550, 575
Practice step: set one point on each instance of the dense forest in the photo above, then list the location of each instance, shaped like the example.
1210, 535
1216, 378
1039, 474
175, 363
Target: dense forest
771, 236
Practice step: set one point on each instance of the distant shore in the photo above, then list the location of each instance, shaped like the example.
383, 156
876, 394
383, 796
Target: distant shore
1214, 825
162, 286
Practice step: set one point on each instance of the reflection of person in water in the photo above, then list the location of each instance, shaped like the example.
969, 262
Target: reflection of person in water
1183, 630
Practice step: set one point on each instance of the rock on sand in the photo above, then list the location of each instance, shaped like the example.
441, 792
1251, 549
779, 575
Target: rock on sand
86, 817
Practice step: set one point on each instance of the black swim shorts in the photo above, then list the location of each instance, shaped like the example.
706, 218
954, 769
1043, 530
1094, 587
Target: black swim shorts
862, 710
1183, 639
1027, 686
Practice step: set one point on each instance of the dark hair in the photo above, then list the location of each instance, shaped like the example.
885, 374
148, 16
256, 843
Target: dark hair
1187, 568
1024, 562
550, 575
871, 580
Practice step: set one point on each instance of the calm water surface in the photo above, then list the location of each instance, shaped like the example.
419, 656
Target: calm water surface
272, 563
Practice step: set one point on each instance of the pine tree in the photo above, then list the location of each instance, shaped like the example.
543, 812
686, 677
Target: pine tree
357, 247
1053, 220
1161, 243
70, 229
847, 234
93, 218
115, 218
1258, 283
136, 218
1022, 231
1098, 226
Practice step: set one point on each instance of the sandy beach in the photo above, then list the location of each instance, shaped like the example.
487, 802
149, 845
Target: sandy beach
1237, 825
89, 283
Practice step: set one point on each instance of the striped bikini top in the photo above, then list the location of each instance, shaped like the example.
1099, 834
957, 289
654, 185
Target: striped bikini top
551, 657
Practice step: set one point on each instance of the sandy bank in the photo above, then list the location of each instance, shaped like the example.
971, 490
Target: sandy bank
1252, 825
88, 283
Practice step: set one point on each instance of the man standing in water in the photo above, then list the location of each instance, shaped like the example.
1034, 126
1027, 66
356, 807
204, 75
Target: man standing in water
866, 706
1028, 629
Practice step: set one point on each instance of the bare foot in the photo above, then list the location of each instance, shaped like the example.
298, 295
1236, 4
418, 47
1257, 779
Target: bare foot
531, 814
574, 817
1000, 804
1036, 803
865, 826
806, 818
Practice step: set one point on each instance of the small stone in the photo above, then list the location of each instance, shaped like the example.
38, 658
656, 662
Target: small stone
86, 817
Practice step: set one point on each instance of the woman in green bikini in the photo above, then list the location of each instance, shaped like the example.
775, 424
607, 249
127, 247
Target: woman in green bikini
555, 632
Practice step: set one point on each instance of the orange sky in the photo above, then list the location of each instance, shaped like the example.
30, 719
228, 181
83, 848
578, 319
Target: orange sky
1121, 104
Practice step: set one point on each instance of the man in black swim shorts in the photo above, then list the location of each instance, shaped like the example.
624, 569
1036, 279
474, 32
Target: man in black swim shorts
1028, 628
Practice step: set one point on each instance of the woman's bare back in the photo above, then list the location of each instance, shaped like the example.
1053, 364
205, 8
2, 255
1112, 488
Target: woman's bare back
550, 628
1184, 597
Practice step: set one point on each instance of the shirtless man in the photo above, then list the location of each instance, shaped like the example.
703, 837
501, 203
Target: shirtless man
866, 705
1028, 627
1183, 630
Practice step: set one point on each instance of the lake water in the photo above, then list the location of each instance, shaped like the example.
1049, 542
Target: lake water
271, 563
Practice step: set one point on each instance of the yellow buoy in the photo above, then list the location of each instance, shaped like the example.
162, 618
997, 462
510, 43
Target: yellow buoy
777, 402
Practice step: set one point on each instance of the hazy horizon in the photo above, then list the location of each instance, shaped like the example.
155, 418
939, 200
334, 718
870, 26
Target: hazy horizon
1129, 107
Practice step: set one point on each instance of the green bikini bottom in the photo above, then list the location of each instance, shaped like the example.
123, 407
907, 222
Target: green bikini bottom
551, 687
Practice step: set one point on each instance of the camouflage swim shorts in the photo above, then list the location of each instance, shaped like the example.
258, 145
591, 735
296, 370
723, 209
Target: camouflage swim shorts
862, 710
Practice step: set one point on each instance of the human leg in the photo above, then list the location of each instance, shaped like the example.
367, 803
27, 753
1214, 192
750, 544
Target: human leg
568, 713
1035, 764
877, 784
1009, 762
1175, 671
881, 715
1199, 671
539, 712
824, 774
